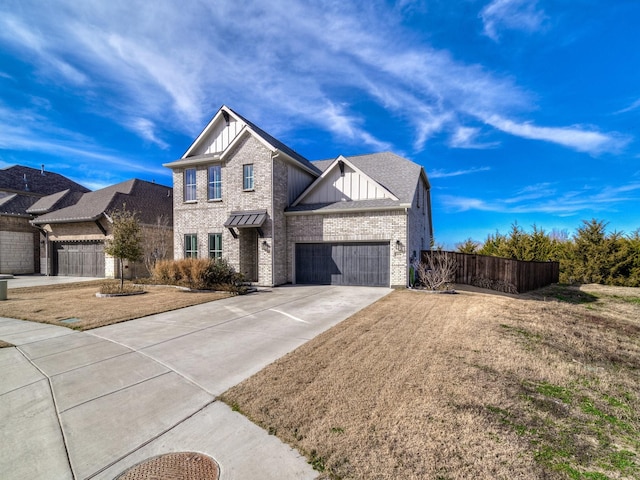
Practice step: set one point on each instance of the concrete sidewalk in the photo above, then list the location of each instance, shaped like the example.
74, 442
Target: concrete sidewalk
92, 404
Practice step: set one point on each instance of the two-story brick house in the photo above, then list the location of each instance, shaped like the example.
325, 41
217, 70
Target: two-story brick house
242, 195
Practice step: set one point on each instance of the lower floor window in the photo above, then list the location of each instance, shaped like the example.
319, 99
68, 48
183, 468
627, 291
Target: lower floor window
215, 245
191, 245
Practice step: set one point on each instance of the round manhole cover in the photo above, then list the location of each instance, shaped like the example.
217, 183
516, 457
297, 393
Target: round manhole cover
174, 466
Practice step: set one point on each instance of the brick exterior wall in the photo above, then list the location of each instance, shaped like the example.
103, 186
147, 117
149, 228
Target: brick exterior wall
388, 226
202, 216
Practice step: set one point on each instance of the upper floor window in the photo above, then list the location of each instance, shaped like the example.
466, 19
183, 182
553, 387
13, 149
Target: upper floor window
215, 182
190, 185
191, 245
215, 245
247, 177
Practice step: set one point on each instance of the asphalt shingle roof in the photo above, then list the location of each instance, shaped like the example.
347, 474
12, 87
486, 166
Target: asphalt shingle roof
16, 204
54, 201
26, 179
148, 199
278, 144
398, 175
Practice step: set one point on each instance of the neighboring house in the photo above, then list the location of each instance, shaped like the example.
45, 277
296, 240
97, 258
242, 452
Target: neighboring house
74, 230
242, 195
20, 188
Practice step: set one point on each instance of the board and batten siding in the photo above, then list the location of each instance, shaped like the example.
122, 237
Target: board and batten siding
298, 181
219, 138
353, 185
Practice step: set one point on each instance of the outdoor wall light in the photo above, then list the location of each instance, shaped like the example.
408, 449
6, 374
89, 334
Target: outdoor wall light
265, 246
399, 246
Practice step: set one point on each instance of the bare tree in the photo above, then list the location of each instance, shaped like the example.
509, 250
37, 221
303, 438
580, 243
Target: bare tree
157, 240
437, 269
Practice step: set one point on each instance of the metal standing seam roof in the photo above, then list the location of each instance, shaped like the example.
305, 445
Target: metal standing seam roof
248, 219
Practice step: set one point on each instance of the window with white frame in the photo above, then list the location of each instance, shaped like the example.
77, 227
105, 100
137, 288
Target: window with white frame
215, 182
247, 176
215, 245
190, 185
191, 245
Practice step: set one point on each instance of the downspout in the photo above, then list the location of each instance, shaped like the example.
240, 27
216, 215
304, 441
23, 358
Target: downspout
406, 249
273, 230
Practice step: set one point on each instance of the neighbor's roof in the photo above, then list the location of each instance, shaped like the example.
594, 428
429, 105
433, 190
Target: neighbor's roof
54, 201
148, 199
16, 204
40, 182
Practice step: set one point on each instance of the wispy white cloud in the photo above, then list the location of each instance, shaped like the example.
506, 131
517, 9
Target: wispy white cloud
549, 201
634, 106
456, 173
344, 125
146, 129
513, 15
576, 137
173, 66
467, 137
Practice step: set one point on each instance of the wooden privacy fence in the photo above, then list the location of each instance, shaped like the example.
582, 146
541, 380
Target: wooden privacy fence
502, 274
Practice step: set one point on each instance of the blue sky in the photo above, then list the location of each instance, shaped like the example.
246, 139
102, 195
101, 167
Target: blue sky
519, 111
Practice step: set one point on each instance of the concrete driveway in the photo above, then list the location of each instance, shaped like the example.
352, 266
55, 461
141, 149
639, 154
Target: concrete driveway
92, 404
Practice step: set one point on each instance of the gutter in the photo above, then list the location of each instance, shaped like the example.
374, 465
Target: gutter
400, 207
197, 160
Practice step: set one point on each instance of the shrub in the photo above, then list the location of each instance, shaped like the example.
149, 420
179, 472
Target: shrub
198, 274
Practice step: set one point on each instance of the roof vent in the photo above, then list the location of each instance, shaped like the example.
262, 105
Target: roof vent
26, 185
42, 170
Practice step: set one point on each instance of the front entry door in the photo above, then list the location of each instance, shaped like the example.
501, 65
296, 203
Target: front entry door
248, 238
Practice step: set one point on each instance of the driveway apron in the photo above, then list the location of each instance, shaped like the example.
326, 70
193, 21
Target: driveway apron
92, 404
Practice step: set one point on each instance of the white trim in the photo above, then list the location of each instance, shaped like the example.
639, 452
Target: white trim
209, 126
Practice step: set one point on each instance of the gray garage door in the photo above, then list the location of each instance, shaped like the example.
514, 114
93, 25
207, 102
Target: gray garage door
78, 259
343, 264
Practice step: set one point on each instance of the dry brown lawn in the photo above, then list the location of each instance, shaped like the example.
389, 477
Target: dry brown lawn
54, 303
473, 385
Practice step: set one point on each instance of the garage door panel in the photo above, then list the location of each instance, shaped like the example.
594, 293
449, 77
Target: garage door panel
343, 263
79, 259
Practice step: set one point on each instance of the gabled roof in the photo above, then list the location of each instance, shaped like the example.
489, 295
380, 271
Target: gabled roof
399, 175
394, 174
16, 204
55, 201
148, 199
190, 157
277, 143
337, 169
39, 182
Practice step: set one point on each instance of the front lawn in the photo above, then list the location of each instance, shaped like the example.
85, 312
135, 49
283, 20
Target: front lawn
474, 385
75, 305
